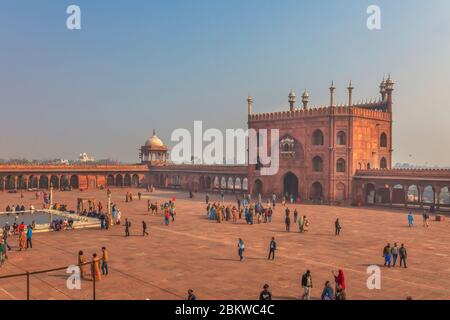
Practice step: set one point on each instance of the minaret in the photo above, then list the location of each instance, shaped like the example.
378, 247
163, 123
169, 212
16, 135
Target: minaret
249, 105
305, 99
292, 99
389, 88
332, 88
383, 89
350, 93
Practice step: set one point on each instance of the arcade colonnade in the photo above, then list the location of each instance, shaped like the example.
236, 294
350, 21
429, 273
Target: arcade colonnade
420, 189
65, 181
230, 183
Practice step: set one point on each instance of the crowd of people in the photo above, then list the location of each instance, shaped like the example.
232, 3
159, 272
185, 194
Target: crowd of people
23, 233
99, 266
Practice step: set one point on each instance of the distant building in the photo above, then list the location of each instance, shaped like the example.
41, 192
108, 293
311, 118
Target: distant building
85, 158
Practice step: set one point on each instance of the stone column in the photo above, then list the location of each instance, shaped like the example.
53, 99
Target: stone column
391, 193
437, 198
405, 191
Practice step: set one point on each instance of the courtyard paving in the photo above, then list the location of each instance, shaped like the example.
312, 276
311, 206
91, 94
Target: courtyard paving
196, 253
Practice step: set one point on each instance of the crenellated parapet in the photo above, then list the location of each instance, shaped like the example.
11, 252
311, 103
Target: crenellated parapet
373, 110
405, 173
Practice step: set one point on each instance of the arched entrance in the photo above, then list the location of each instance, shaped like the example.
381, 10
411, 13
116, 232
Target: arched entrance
316, 192
370, 193
119, 180
110, 180
208, 183
127, 180
64, 184
43, 182
290, 183
258, 188
54, 182
135, 180
33, 182
74, 183
10, 183
340, 192
21, 183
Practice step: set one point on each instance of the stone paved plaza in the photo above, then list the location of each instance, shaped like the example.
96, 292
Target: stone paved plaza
196, 253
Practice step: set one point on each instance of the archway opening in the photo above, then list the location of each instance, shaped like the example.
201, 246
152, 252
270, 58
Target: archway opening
290, 185
370, 193
444, 197
54, 182
33, 182
74, 182
127, 180
316, 192
135, 181
64, 182
413, 194
110, 180
43, 182
119, 180
340, 192
258, 188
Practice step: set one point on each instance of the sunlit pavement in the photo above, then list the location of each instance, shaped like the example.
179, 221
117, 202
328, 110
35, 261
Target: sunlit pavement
196, 253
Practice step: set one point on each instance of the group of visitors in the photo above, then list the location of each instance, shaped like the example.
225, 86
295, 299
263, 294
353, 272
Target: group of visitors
391, 254
15, 208
169, 211
303, 221
23, 232
96, 274
129, 197
62, 224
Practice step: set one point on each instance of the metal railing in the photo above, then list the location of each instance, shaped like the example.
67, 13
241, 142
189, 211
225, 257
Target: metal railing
27, 274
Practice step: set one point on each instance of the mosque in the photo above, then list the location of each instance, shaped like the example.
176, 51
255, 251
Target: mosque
332, 154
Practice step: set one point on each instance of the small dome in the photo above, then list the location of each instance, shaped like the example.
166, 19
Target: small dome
154, 142
305, 94
292, 94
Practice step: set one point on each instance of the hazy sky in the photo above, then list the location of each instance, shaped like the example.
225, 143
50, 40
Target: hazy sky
139, 65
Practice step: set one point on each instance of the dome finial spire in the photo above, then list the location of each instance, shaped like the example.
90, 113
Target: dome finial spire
154, 131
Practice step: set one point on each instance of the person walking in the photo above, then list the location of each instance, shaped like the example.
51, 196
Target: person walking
307, 285
127, 227
410, 219
287, 220
403, 255
166, 217
301, 222
272, 248
144, 229
387, 252
191, 295
95, 268
241, 248
426, 217
105, 259
337, 227
327, 293
394, 251
81, 263
6, 230
265, 294
2, 252
29, 236
339, 279
295, 215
